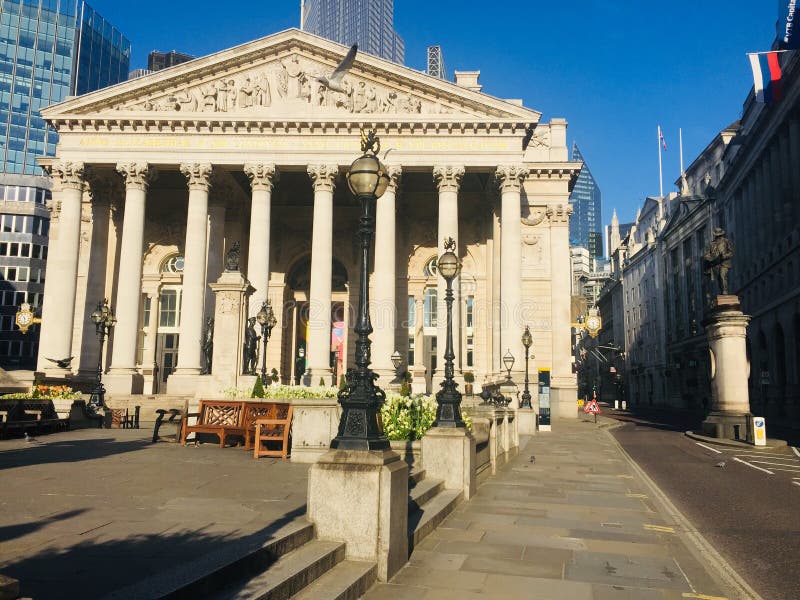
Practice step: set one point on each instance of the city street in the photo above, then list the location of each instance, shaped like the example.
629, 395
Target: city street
747, 509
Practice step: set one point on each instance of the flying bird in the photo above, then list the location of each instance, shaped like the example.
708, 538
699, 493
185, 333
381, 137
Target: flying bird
64, 363
720, 464
334, 80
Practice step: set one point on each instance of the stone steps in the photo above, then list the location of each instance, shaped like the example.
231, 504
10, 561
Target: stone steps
422, 492
424, 520
349, 580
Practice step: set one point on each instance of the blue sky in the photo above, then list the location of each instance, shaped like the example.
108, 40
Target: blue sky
614, 69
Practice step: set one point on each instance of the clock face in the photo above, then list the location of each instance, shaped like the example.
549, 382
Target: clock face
24, 318
593, 323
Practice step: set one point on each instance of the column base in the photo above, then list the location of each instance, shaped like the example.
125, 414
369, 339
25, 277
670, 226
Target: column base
123, 381
449, 454
724, 425
312, 377
564, 402
419, 384
183, 382
377, 484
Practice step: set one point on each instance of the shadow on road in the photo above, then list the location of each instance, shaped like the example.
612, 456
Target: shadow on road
44, 452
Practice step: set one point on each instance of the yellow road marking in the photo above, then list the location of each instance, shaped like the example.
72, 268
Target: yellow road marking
703, 596
635, 495
659, 528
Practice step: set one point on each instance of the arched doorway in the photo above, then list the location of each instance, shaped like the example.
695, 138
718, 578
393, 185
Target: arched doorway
294, 355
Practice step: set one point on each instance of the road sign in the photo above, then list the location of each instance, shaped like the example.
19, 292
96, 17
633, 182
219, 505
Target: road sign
581, 403
759, 431
592, 407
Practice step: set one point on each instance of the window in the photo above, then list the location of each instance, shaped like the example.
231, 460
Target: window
430, 307
430, 269
174, 264
412, 314
470, 351
168, 311
410, 360
470, 310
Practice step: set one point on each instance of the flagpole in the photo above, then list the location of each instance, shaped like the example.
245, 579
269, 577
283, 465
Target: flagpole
660, 171
302, 15
680, 141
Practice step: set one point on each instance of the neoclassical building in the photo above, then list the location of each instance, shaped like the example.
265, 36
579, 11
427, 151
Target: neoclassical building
155, 179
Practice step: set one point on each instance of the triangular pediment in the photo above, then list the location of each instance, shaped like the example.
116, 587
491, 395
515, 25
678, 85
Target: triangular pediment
273, 78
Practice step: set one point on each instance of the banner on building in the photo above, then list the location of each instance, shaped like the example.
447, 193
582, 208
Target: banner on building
789, 24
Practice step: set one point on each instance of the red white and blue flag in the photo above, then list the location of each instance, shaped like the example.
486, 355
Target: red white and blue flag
766, 76
661, 138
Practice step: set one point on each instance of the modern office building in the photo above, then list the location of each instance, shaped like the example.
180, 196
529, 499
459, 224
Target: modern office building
49, 50
584, 226
368, 23
162, 60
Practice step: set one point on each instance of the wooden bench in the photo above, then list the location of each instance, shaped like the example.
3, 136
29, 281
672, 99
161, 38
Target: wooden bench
29, 414
219, 417
273, 429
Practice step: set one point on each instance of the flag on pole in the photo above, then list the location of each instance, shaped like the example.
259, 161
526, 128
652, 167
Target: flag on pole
766, 76
788, 34
661, 138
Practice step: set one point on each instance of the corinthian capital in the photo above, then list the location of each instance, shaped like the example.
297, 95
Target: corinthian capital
395, 173
198, 175
68, 175
138, 175
559, 213
448, 177
323, 177
510, 177
262, 177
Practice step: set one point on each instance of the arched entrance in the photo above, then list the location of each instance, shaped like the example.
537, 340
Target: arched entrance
294, 355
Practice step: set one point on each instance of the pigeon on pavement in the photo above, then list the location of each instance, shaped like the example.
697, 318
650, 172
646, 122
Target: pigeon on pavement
30, 439
720, 464
334, 80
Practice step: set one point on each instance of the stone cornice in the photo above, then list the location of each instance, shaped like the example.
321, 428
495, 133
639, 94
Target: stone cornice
67, 174
510, 177
448, 177
138, 175
323, 177
198, 175
262, 176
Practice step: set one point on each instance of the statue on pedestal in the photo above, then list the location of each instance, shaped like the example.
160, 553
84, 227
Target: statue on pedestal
232, 258
208, 346
250, 347
717, 260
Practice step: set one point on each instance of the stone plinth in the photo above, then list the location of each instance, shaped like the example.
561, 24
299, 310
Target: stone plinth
526, 421
231, 291
315, 424
361, 498
449, 454
726, 328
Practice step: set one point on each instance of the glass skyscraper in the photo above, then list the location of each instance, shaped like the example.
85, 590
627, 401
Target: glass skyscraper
49, 49
368, 23
585, 227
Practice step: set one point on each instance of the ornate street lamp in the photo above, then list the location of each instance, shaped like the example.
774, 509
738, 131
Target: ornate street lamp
527, 341
397, 360
508, 361
104, 321
448, 411
266, 318
360, 426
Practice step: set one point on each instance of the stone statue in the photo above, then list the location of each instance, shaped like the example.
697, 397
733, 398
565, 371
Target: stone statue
208, 345
232, 258
717, 259
250, 347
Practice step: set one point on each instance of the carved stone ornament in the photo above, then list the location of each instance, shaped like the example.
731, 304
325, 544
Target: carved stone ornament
323, 177
68, 175
138, 175
103, 189
510, 177
395, 174
232, 258
262, 177
198, 175
227, 304
534, 219
448, 178
541, 138
559, 213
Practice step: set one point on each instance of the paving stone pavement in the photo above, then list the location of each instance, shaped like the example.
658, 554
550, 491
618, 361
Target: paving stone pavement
567, 519
86, 512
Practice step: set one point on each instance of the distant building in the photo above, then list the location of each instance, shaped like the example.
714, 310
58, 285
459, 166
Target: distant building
368, 23
50, 51
613, 240
589, 275
162, 60
584, 226
436, 67
136, 73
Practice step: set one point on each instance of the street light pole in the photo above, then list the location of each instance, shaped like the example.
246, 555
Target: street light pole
266, 318
104, 321
527, 341
360, 425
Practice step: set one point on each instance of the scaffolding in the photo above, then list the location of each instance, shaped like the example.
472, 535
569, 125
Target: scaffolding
436, 62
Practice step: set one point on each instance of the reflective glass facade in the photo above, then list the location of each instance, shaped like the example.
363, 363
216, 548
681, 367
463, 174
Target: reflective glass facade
49, 49
585, 228
368, 23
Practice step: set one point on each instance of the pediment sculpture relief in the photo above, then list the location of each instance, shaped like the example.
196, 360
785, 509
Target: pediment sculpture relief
290, 81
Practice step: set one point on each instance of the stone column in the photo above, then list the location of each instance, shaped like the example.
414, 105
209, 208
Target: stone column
418, 382
262, 181
383, 304
183, 380
122, 377
448, 180
323, 178
215, 252
497, 302
58, 306
510, 178
149, 354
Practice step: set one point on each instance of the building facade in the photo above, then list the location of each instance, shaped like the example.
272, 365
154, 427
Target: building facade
48, 50
163, 60
585, 227
368, 23
266, 171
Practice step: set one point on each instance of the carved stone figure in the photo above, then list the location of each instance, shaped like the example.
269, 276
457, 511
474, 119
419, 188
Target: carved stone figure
208, 346
232, 258
222, 95
231, 94
263, 97
250, 347
717, 260
360, 97
209, 98
246, 92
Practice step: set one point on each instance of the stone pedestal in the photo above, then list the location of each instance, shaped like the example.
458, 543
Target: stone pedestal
449, 454
419, 384
726, 328
231, 291
526, 419
361, 498
316, 423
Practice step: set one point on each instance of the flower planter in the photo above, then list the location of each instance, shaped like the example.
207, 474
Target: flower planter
411, 452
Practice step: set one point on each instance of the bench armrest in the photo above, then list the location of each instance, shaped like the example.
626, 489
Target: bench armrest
187, 415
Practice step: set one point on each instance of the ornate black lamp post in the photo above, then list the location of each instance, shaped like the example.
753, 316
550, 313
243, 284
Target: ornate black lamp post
397, 360
508, 361
448, 411
104, 321
527, 341
360, 427
266, 318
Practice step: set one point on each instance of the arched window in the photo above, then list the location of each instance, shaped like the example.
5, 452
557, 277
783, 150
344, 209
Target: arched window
430, 268
174, 264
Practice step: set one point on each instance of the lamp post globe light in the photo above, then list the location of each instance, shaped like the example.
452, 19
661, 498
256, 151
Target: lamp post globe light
527, 342
360, 426
397, 360
266, 318
448, 399
508, 361
104, 321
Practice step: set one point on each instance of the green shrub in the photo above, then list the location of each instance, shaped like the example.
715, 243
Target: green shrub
405, 388
274, 376
407, 418
321, 382
258, 389
469, 377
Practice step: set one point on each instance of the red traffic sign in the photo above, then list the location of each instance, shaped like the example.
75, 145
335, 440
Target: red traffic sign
592, 407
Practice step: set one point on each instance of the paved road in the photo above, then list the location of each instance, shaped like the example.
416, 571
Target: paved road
751, 515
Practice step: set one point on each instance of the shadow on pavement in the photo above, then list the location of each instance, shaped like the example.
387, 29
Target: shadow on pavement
9, 532
67, 451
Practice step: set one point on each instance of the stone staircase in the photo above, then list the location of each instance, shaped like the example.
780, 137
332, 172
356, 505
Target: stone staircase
292, 563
